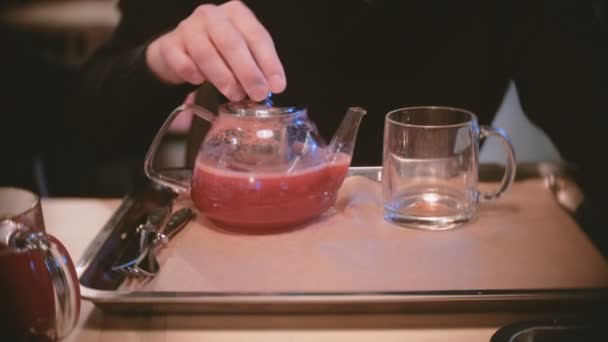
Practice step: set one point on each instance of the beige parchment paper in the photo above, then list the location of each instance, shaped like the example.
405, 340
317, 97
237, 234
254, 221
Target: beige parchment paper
523, 240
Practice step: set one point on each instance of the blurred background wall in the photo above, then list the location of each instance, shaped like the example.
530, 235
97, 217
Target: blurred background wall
530, 142
43, 42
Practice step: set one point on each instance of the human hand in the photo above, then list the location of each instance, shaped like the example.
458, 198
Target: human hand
225, 45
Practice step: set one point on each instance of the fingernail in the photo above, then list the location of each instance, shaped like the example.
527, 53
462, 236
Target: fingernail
236, 96
197, 79
232, 93
259, 93
277, 83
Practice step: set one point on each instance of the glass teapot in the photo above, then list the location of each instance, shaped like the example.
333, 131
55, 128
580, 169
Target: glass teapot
263, 168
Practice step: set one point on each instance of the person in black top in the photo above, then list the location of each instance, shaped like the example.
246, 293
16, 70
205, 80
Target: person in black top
380, 55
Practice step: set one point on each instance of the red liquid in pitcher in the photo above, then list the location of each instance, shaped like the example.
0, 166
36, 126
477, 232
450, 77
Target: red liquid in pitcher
27, 307
267, 201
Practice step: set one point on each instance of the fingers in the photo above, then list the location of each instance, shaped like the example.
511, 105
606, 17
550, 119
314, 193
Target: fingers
260, 44
225, 45
167, 59
230, 43
181, 65
207, 59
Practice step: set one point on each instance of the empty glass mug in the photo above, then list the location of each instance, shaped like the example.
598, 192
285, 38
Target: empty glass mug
430, 166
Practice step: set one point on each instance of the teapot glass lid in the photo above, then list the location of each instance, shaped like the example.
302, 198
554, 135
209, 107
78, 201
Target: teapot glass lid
259, 109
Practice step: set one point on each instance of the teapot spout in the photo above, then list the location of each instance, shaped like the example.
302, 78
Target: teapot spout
344, 139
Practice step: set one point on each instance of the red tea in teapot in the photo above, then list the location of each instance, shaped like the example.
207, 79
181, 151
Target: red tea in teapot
266, 201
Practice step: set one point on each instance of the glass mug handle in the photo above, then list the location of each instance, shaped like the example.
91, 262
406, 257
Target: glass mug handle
151, 172
511, 164
66, 291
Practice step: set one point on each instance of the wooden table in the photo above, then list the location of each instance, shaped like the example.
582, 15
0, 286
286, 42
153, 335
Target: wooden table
76, 221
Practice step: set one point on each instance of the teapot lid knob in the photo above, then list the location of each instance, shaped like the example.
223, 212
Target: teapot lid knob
263, 108
268, 101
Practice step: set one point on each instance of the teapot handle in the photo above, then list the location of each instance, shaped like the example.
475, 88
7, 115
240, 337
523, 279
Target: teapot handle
66, 291
151, 172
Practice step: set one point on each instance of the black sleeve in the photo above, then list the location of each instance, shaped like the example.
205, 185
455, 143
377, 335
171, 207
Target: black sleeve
560, 67
118, 104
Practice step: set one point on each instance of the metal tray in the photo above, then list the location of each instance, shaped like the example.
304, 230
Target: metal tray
102, 286
553, 330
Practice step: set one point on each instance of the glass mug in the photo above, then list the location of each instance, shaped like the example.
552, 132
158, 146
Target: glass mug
39, 289
430, 166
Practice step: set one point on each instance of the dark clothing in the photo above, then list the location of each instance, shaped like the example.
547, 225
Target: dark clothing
382, 55
31, 105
